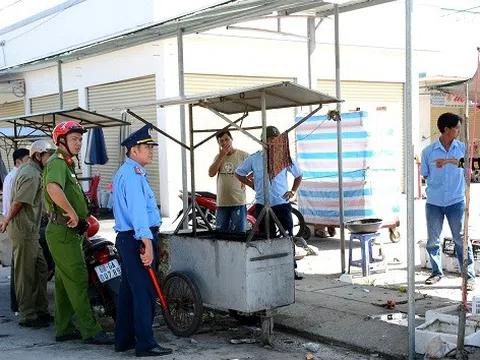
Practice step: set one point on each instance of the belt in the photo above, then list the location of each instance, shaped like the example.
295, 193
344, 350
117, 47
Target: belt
153, 229
57, 219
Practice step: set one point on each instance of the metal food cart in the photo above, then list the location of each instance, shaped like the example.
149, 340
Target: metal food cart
245, 273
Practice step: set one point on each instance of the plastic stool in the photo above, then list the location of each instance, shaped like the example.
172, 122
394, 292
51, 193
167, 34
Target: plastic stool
365, 240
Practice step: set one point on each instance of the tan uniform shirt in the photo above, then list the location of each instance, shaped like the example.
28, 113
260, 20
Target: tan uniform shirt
230, 191
27, 190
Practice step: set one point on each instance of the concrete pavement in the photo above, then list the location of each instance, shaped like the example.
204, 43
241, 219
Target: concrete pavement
329, 311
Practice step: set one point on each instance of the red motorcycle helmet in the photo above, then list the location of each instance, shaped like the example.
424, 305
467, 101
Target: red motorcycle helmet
66, 127
93, 227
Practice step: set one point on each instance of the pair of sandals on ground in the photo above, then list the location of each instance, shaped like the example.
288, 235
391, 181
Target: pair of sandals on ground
433, 279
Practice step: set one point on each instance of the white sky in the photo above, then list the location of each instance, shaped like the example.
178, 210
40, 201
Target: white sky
13, 11
436, 26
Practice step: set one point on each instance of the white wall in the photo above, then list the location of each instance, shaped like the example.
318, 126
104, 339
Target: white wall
120, 65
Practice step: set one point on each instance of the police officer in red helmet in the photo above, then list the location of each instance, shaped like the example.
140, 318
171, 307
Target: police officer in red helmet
68, 211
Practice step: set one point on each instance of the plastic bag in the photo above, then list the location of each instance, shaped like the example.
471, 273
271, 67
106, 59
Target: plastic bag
438, 348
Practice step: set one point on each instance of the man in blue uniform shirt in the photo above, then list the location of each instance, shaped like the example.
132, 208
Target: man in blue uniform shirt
280, 195
137, 221
445, 195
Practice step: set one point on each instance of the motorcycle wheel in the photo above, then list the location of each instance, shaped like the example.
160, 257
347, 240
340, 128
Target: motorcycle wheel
200, 223
298, 224
105, 302
183, 313
307, 234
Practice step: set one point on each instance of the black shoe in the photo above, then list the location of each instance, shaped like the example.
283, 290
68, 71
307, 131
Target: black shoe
102, 338
122, 348
156, 351
75, 335
298, 276
36, 324
46, 317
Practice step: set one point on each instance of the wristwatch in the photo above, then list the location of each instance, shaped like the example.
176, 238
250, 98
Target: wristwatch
293, 192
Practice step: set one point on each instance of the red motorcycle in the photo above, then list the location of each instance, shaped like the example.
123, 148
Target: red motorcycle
207, 202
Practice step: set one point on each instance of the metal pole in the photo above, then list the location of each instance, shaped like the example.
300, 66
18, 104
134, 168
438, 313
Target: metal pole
266, 180
60, 84
183, 137
410, 180
192, 171
238, 127
310, 48
462, 316
339, 139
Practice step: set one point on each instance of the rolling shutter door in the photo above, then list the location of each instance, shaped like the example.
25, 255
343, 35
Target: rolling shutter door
14, 108
103, 99
363, 93
204, 119
9, 109
51, 102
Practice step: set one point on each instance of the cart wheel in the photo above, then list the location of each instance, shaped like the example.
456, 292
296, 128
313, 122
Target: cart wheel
394, 235
183, 314
331, 231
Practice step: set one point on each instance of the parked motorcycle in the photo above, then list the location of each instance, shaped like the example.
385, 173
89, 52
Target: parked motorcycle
103, 266
207, 202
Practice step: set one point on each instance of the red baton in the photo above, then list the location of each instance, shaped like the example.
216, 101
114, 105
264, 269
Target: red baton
158, 290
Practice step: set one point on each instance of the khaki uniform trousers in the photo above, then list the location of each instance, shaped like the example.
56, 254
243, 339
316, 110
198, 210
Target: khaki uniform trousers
30, 277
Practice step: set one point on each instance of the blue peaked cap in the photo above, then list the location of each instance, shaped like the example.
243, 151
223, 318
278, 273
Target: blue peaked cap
141, 136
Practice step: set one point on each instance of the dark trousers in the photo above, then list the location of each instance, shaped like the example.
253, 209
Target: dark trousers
137, 299
284, 215
13, 297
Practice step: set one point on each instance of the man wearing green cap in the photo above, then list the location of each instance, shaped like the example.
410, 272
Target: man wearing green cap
280, 194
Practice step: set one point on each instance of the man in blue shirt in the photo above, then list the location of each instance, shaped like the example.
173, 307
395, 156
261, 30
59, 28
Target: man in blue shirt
445, 180
137, 221
280, 195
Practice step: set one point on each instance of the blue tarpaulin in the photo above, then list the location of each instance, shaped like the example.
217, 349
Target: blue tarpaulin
96, 153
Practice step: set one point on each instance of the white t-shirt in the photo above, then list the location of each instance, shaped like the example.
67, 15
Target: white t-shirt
7, 190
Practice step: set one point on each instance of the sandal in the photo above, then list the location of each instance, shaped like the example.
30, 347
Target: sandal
433, 279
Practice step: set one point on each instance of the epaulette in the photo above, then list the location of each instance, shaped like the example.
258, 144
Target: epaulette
139, 171
68, 159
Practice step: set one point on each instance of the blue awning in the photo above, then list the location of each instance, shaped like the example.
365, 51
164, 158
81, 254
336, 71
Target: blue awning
96, 152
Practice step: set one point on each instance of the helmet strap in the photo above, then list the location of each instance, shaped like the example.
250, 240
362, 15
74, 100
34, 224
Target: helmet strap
65, 145
39, 162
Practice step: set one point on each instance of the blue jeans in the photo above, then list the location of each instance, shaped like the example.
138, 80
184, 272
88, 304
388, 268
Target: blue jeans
455, 216
232, 218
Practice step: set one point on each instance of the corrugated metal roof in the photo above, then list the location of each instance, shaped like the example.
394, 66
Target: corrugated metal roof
277, 96
46, 121
222, 14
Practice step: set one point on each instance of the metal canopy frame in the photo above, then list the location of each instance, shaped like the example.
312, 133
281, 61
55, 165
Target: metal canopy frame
240, 101
224, 13
9, 141
464, 89
234, 11
45, 122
